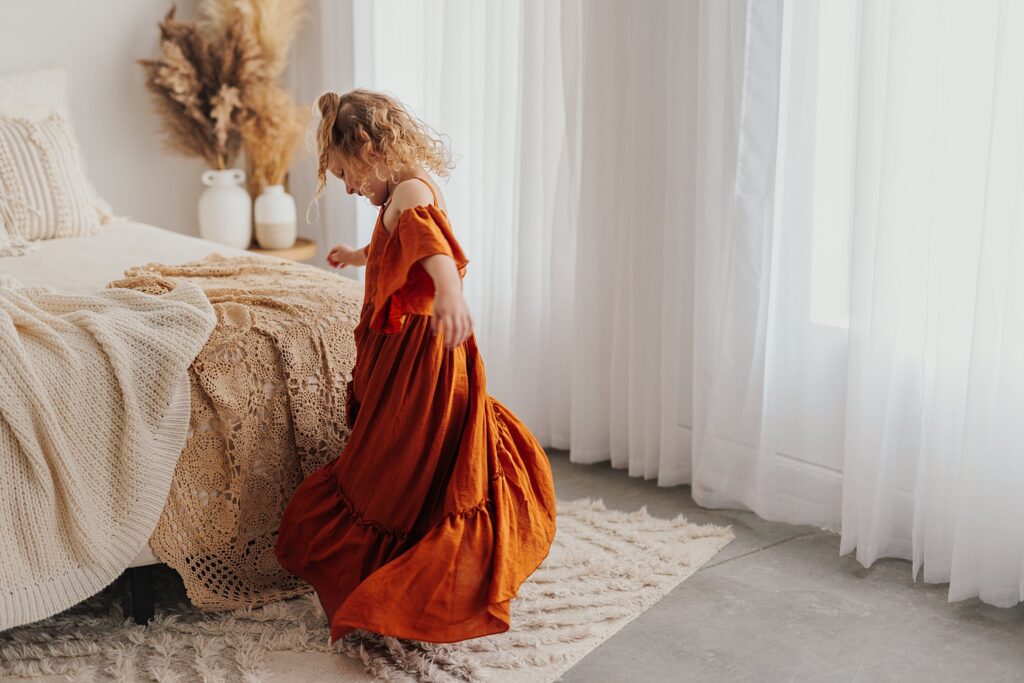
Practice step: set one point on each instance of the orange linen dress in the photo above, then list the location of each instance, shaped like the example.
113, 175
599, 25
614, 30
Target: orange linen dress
441, 503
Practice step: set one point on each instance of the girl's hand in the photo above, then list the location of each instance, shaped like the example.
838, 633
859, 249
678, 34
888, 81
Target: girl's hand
344, 255
451, 317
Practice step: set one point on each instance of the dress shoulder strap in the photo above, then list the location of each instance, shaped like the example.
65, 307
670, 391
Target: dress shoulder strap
384, 206
429, 187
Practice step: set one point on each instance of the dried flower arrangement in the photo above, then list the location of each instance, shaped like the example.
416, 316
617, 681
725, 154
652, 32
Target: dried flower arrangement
272, 136
216, 86
273, 132
274, 24
198, 86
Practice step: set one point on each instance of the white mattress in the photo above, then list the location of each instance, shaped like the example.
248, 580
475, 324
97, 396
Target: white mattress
87, 264
83, 264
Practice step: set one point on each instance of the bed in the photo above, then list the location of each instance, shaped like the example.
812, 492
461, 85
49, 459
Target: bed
87, 264
82, 264
245, 357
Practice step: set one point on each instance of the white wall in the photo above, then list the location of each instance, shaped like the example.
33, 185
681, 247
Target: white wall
115, 123
116, 126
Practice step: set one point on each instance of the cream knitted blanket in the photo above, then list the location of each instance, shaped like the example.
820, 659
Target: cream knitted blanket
94, 411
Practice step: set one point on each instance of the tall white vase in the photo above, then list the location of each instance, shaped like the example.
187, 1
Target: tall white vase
225, 209
275, 218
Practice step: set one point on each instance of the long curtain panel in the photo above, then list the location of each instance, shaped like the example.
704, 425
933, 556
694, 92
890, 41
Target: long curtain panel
770, 249
869, 333
575, 212
934, 444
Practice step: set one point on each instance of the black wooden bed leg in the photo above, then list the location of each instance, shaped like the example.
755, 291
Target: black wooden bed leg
142, 593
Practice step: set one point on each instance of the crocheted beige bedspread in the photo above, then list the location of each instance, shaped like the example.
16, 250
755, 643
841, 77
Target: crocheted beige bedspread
268, 409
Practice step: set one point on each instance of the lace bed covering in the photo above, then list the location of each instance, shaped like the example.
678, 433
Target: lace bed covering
268, 409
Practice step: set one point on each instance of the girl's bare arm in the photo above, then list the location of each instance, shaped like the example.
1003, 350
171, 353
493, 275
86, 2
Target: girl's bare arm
344, 255
451, 314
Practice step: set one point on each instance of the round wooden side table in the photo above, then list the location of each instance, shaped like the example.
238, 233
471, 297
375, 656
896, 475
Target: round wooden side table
302, 250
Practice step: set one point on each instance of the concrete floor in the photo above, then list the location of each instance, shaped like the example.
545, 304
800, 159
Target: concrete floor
779, 604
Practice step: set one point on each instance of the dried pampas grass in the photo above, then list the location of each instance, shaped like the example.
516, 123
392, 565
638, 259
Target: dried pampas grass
273, 23
199, 86
272, 134
273, 131
215, 86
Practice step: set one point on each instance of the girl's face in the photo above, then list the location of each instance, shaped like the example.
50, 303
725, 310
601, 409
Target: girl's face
357, 180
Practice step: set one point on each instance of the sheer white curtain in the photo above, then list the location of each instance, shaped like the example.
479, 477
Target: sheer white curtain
874, 325
572, 208
770, 249
635, 128
479, 73
934, 445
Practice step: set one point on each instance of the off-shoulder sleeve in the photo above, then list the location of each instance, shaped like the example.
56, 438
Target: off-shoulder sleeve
421, 231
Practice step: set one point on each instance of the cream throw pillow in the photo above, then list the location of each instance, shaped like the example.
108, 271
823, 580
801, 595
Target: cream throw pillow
43, 193
34, 95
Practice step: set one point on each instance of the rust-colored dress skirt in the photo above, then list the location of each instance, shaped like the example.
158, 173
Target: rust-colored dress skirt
441, 503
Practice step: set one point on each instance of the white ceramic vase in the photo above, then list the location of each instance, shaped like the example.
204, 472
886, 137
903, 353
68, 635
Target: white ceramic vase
225, 209
275, 218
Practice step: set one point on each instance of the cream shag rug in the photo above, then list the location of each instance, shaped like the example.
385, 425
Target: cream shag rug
605, 568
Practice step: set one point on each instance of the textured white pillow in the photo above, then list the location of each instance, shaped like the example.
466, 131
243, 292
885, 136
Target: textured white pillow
35, 95
43, 193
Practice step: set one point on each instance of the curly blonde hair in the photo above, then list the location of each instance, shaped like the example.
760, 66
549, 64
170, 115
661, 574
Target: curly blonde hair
363, 122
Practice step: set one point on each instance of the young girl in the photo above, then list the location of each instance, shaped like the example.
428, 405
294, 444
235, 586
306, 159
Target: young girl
441, 503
